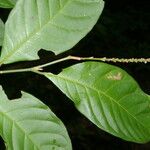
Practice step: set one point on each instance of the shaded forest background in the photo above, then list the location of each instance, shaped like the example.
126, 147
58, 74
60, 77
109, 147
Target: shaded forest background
122, 31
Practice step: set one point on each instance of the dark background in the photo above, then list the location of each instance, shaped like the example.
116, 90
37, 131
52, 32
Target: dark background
122, 31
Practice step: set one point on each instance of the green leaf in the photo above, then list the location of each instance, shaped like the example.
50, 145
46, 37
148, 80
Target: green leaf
28, 124
109, 97
3, 97
1, 32
7, 3
52, 25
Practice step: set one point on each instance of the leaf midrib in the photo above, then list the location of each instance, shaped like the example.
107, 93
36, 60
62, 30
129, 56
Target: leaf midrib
98, 91
32, 34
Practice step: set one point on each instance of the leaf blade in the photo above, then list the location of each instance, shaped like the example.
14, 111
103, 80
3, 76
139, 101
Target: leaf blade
48, 25
1, 32
7, 3
108, 97
29, 124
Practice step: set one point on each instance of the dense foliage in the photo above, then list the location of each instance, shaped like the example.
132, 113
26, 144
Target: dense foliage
105, 94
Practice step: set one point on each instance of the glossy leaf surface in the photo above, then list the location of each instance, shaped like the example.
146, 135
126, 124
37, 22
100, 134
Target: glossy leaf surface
109, 97
1, 32
55, 25
7, 3
28, 124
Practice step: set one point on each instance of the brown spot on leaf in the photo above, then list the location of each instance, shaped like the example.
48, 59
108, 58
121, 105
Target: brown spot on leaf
117, 76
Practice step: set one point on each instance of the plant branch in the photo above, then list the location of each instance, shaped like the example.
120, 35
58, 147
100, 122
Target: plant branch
114, 60
16, 70
39, 68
